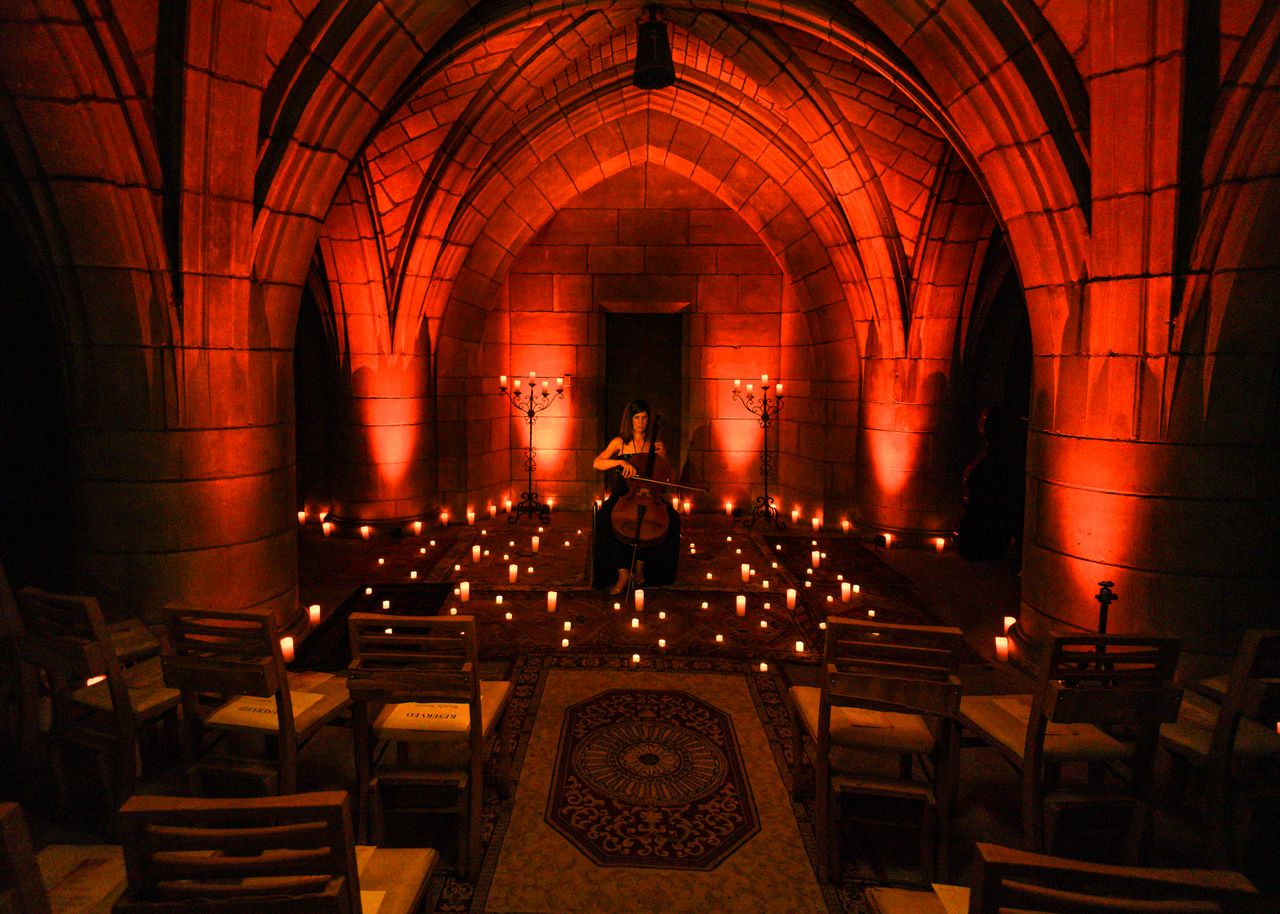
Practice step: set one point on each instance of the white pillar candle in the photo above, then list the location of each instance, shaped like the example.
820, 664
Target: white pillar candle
815, 558
764, 667
764, 585
719, 639
364, 531
1008, 623
846, 592
662, 615
381, 560
822, 625
551, 503
688, 506
453, 610
417, 528
302, 517
1002, 648
327, 528
493, 510
286, 648
795, 515
386, 604
817, 524
507, 505
871, 613
939, 544
705, 604
368, 591
740, 605
471, 516
498, 599
662, 643
617, 606
844, 525
799, 647
413, 575
475, 553
635, 622
513, 572
635, 658
709, 576
728, 509
857, 588
564, 642
888, 540
552, 596
764, 623
508, 617
313, 613
791, 598
639, 601
464, 591
568, 625
535, 543
746, 572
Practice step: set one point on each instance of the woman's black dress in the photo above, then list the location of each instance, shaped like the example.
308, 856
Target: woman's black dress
660, 560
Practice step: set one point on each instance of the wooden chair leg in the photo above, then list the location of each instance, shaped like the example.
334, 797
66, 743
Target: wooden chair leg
834, 871
798, 772
1032, 812
929, 842
822, 828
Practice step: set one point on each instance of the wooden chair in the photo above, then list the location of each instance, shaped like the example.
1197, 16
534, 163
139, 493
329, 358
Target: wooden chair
1099, 700
274, 855
69, 661
21, 888
235, 689
10, 680
1005, 879
1232, 746
416, 688
886, 690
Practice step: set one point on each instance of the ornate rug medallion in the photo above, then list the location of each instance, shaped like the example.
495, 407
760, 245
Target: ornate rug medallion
651, 778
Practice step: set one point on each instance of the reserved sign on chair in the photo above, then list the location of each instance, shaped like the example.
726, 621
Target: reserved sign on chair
415, 715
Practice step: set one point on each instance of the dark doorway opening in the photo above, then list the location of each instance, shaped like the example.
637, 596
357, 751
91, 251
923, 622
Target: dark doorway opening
643, 360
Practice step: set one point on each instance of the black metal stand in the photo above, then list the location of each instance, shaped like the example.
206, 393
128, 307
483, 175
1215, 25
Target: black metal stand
530, 404
766, 414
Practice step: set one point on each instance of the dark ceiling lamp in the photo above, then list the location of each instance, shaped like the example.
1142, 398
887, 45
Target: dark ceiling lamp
654, 67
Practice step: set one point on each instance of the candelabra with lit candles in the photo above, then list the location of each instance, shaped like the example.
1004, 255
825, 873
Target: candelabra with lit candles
530, 401
766, 411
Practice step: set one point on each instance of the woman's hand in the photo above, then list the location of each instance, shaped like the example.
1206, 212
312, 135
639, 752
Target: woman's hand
627, 469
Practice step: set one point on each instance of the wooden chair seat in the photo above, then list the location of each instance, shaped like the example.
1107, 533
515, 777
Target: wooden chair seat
391, 877
316, 699
448, 733
1192, 733
147, 692
1005, 717
862, 728
133, 641
883, 899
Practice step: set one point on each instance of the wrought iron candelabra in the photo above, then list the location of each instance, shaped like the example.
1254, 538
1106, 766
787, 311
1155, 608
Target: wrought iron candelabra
766, 411
530, 402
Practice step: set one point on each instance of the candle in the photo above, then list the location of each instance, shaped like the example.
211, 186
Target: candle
493, 510
513, 571
764, 667
502, 380
740, 605
536, 542
617, 606
457, 568
675, 502
815, 558
546, 388
453, 610
705, 604
764, 585
381, 560
719, 639
728, 509
737, 383
791, 598
778, 388
313, 613
635, 622
687, 506
1002, 648
368, 591
750, 388
515, 385
529, 569
464, 591
857, 588
364, 531
552, 596
764, 379
566, 544
764, 623
551, 503
302, 517
746, 572
817, 524
939, 544
639, 600
498, 599
559, 383
1008, 623
286, 648
327, 528
568, 625
475, 553
388, 631
768, 606
846, 592
871, 613
444, 518
844, 524
386, 604
888, 540
564, 642
507, 505
471, 516
635, 658
508, 617
795, 515
532, 375
799, 647
662, 643
709, 576
822, 625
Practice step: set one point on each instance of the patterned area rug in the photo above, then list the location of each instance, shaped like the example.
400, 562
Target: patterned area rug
531, 867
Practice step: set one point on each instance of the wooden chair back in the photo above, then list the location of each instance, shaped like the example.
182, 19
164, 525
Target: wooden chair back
1253, 693
65, 639
226, 653
426, 659
901, 668
276, 855
1005, 879
21, 887
1119, 683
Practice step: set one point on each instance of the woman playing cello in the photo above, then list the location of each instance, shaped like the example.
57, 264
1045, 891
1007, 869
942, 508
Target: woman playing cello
654, 564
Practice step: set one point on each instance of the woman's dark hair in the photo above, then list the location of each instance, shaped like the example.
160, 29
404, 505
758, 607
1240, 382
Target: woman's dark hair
635, 406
